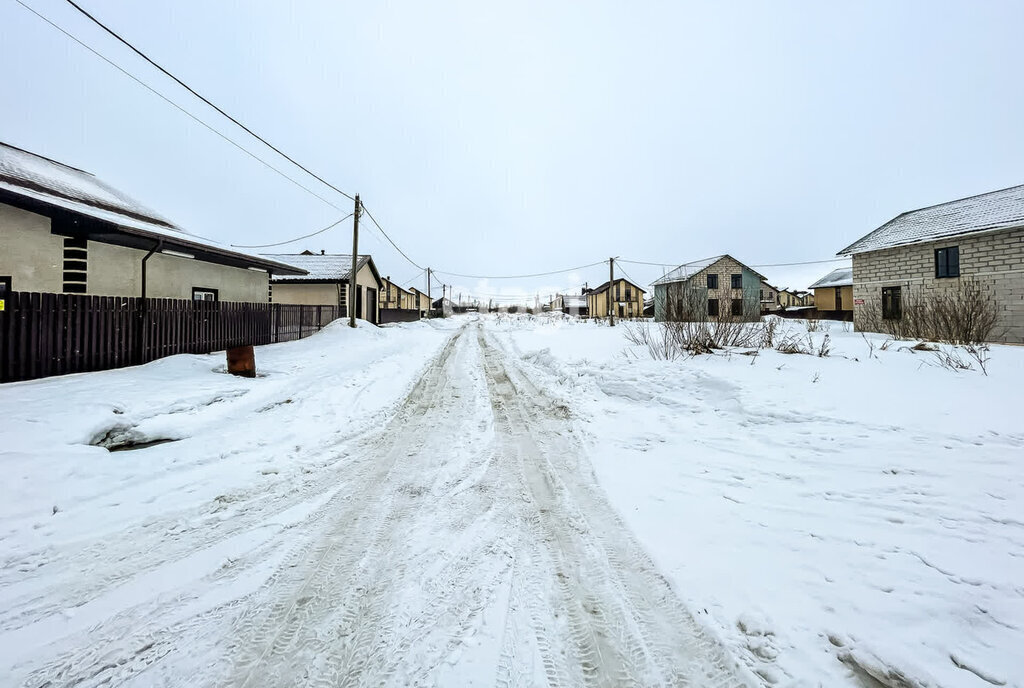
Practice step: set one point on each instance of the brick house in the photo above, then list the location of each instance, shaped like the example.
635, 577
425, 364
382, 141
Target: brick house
977, 240
720, 287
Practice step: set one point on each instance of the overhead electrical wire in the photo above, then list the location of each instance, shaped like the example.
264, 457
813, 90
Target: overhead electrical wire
207, 101
763, 265
292, 241
152, 90
370, 215
538, 274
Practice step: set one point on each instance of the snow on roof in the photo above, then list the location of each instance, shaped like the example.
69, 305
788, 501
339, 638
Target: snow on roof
840, 277
329, 267
40, 179
574, 301
994, 210
687, 270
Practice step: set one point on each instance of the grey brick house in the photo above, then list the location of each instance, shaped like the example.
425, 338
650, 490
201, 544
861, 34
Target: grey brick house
717, 288
977, 240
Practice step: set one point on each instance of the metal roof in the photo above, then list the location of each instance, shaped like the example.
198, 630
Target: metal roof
330, 267
1001, 209
688, 270
840, 277
43, 182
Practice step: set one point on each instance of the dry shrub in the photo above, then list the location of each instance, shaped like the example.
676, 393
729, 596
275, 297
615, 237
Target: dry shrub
961, 313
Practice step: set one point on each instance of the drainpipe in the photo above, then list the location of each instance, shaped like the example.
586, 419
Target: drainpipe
144, 307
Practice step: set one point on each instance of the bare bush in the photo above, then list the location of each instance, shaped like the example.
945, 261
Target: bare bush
825, 348
951, 359
963, 313
979, 353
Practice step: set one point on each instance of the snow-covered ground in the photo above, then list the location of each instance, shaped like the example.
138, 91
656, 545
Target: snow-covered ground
836, 518
516, 501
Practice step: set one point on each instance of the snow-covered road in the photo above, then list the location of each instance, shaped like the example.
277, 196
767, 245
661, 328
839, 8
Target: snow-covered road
459, 540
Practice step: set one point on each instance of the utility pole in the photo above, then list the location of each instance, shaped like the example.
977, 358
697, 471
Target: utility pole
611, 279
430, 297
351, 303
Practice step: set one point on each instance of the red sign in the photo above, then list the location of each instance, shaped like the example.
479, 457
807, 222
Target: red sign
858, 302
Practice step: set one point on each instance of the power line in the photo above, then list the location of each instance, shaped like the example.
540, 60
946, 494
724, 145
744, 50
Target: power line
538, 274
176, 106
370, 215
413, 278
292, 241
207, 101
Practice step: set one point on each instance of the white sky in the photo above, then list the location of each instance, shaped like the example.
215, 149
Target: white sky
494, 139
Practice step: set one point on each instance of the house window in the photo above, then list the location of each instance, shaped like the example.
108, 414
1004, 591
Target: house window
204, 294
947, 261
76, 261
762, 294
712, 281
5, 291
737, 307
892, 308
713, 307
737, 281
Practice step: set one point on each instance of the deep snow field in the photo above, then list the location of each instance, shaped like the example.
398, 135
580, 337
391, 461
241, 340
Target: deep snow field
831, 519
836, 518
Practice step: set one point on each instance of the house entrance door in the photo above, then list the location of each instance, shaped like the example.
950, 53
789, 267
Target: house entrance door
839, 298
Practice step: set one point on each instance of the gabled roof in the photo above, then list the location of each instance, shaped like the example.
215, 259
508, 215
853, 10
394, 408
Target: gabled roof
574, 300
321, 267
687, 270
41, 184
1001, 209
841, 277
604, 287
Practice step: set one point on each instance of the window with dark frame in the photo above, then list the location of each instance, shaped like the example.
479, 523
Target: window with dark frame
737, 281
5, 290
737, 306
712, 281
892, 307
713, 307
947, 261
205, 294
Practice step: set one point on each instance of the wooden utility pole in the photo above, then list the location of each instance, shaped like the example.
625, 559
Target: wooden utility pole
355, 265
430, 297
611, 279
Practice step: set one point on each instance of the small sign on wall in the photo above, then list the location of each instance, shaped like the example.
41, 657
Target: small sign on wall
858, 302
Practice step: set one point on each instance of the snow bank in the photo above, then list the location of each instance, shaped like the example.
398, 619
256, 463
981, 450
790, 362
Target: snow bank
838, 518
232, 441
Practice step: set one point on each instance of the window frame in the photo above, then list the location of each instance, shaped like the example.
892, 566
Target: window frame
206, 290
734, 278
732, 307
712, 277
943, 265
713, 312
887, 302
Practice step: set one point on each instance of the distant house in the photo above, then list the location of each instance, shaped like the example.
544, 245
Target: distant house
833, 294
327, 283
769, 297
421, 301
720, 287
393, 296
62, 230
795, 298
621, 296
571, 304
971, 243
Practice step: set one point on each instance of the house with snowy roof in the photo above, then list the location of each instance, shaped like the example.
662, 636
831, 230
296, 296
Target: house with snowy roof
975, 242
719, 287
65, 231
394, 297
325, 282
620, 297
833, 294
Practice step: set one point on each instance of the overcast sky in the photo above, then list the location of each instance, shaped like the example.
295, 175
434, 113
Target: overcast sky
523, 137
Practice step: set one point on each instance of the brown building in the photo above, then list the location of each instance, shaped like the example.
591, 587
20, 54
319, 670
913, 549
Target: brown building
326, 283
621, 295
420, 301
62, 230
974, 243
393, 297
833, 294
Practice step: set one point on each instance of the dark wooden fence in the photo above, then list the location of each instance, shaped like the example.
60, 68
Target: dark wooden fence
393, 315
55, 334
